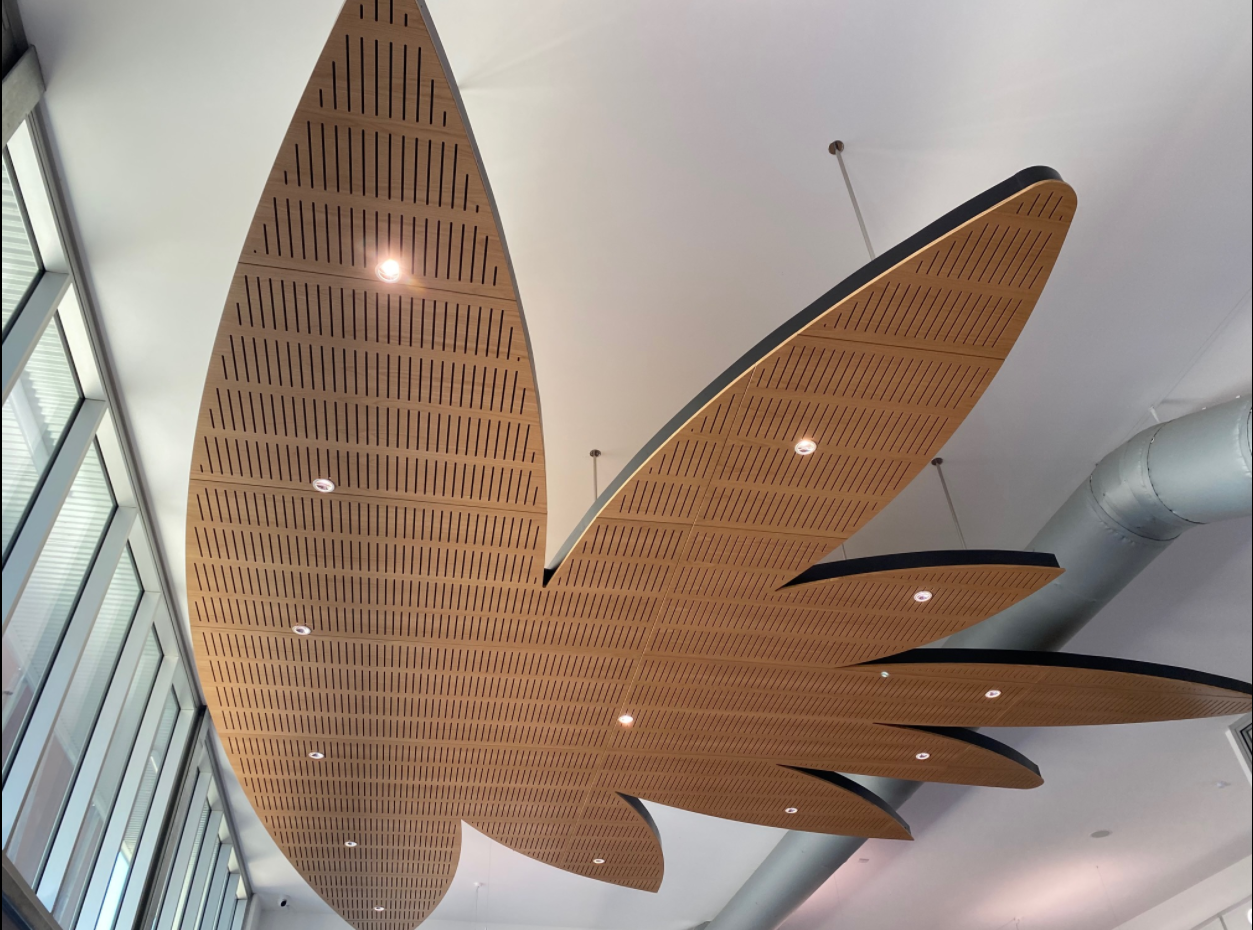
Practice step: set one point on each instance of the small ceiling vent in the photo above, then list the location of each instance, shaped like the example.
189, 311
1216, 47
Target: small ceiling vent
1241, 735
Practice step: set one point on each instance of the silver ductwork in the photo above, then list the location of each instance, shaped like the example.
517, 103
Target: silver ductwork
1140, 498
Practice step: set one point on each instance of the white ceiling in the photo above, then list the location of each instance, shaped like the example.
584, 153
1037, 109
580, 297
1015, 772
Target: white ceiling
663, 179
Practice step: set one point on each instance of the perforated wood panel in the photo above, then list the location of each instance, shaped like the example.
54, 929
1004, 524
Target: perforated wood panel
446, 675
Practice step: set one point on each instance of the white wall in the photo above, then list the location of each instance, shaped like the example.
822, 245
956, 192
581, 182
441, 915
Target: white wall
1220, 894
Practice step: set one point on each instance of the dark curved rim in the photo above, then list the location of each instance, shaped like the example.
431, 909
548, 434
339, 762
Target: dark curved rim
943, 656
937, 558
638, 806
978, 740
858, 279
847, 784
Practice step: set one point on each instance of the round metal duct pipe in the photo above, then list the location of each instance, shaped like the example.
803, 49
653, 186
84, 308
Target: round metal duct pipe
1140, 498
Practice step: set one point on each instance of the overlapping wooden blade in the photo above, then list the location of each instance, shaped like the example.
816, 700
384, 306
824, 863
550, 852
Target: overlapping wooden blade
1009, 688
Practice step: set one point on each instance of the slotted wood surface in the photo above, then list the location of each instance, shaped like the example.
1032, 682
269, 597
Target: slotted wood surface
444, 680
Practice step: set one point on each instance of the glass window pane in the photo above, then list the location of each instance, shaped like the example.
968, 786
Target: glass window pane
50, 787
139, 812
41, 615
179, 886
91, 833
20, 263
36, 413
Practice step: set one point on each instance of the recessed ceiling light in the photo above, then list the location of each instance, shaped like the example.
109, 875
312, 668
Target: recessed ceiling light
325, 485
992, 694
1100, 834
379, 908
317, 755
789, 810
301, 630
884, 674
806, 447
923, 756
598, 861
388, 270
922, 596
350, 843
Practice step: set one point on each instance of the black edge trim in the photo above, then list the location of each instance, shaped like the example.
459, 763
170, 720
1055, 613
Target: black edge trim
938, 558
978, 204
845, 783
454, 88
638, 806
1059, 660
976, 739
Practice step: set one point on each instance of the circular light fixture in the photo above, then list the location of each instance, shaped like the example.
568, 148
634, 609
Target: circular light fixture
317, 755
922, 596
378, 908
388, 270
790, 810
350, 843
301, 630
626, 720
923, 756
325, 485
1100, 834
885, 674
806, 447
994, 693
598, 861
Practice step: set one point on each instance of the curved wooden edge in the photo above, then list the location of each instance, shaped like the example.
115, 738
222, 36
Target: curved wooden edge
844, 783
937, 558
885, 262
1066, 660
984, 742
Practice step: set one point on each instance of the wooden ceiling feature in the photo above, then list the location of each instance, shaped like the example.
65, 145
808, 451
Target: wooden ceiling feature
446, 675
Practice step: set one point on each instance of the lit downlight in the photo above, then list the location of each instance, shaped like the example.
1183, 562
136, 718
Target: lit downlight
806, 447
388, 270
325, 485
922, 596
301, 630
923, 756
626, 720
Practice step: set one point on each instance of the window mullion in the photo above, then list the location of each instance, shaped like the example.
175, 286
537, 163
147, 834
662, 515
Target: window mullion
23, 89
52, 695
43, 512
29, 324
97, 748
241, 913
217, 889
129, 787
151, 837
174, 898
204, 863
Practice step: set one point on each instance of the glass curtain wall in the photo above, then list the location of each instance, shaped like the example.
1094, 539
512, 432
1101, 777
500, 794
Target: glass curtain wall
112, 813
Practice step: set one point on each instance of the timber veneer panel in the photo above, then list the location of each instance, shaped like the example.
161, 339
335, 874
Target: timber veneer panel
449, 676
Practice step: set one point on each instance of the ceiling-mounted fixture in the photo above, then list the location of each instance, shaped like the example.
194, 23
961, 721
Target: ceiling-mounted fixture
388, 270
688, 593
806, 447
301, 630
922, 596
992, 693
317, 755
325, 485
626, 720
